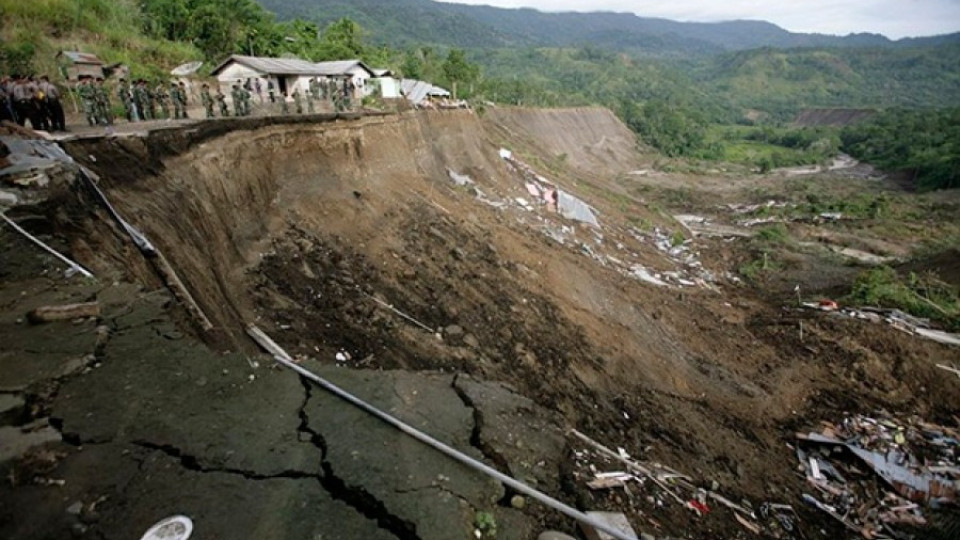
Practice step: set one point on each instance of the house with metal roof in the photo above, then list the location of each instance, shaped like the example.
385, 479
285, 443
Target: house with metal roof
76, 64
418, 92
286, 74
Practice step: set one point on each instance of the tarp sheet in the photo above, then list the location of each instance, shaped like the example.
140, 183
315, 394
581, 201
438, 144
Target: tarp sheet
573, 208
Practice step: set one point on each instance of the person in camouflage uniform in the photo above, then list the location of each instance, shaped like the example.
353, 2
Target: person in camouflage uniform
222, 102
314, 88
126, 98
182, 93
141, 101
237, 98
247, 102
206, 100
87, 95
347, 93
297, 101
162, 99
151, 101
103, 107
284, 108
331, 90
310, 108
175, 100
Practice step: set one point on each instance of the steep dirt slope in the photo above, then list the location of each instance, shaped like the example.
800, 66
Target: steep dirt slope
593, 140
299, 226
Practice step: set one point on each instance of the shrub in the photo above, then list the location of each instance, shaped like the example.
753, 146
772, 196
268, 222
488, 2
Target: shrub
922, 296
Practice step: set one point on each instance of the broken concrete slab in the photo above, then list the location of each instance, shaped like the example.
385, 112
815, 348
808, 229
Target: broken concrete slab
243, 508
142, 486
167, 387
410, 476
32, 355
15, 442
11, 408
521, 437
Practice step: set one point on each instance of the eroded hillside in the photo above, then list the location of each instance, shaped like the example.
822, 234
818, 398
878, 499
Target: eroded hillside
421, 254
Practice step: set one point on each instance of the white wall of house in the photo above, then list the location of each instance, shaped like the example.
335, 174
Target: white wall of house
360, 77
236, 71
389, 87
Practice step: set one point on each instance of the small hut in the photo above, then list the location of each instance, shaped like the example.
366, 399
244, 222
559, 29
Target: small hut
74, 64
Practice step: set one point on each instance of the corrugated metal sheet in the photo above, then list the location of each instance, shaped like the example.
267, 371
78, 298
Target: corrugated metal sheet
341, 67
417, 91
273, 66
81, 57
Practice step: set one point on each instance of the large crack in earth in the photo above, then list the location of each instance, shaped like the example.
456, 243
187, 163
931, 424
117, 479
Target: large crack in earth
355, 496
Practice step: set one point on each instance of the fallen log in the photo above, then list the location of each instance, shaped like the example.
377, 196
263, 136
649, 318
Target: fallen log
66, 312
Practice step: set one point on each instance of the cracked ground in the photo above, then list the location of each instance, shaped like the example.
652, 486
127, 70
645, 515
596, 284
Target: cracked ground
154, 424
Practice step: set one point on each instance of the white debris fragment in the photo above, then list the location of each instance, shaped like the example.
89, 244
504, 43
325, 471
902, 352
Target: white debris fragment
459, 179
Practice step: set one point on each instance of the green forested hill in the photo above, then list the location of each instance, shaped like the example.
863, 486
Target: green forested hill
787, 80
405, 22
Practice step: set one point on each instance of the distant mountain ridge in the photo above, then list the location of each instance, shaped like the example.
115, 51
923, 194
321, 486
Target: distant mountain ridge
426, 22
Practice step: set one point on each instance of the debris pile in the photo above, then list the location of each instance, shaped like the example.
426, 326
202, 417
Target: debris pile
648, 489
894, 317
690, 271
546, 193
873, 474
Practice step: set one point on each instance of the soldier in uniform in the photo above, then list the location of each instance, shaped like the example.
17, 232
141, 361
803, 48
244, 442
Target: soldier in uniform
246, 95
332, 90
237, 98
151, 100
139, 98
182, 93
347, 93
162, 99
297, 101
206, 100
87, 96
314, 88
177, 103
284, 108
222, 102
126, 98
104, 107
270, 92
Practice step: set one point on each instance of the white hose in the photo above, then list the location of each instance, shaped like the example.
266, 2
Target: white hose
283, 358
48, 249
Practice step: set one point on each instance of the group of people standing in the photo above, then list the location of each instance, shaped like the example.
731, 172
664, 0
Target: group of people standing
38, 101
141, 103
26, 98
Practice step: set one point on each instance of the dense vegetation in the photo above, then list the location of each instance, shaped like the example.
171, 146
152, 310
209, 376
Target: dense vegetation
920, 295
925, 143
402, 23
670, 82
34, 31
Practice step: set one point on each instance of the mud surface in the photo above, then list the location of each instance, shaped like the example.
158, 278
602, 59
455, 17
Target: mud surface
478, 319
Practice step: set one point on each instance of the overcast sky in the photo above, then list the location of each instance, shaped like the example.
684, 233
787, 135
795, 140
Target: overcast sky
892, 18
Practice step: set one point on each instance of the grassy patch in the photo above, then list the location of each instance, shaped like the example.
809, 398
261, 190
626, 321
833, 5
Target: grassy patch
759, 268
922, 296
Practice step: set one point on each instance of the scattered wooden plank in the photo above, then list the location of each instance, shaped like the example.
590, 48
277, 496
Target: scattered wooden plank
66, 312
